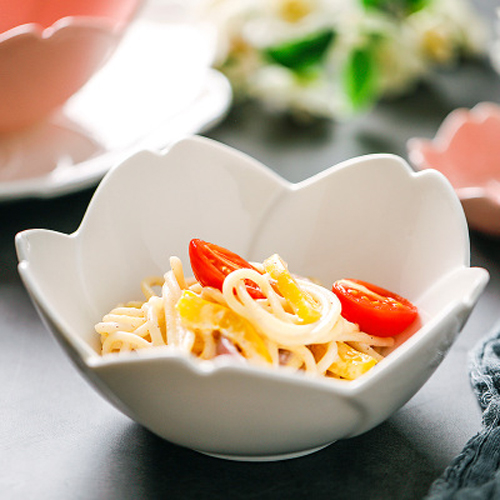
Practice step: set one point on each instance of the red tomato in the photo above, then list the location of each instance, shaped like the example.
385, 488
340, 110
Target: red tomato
212, 263
376, 310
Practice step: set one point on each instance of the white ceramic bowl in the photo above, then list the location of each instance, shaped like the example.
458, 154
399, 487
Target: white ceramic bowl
369, 217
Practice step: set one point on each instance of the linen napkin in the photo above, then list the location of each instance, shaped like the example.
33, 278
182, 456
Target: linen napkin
475, 472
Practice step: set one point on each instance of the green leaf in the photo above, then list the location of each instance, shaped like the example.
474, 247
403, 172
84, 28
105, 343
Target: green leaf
396, 7
299, 55
360, 77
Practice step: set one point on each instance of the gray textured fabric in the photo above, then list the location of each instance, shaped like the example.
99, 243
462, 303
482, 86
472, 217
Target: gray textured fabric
475, 472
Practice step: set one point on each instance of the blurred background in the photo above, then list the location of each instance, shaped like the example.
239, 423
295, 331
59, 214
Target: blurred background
299, 85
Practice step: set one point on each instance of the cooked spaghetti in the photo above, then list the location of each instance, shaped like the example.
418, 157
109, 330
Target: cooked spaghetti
291, 322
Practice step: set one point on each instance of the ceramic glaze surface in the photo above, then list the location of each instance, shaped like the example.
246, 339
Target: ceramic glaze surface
414, 242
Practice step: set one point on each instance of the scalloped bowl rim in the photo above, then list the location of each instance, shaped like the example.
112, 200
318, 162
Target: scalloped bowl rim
453, 121
92, 359
40, 33
78, 21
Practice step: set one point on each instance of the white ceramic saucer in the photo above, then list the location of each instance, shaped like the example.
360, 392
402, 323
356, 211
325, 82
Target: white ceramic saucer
157, 87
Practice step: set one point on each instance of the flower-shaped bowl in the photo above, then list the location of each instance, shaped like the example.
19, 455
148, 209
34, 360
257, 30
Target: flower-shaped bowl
370, 217
466, 149
49, 50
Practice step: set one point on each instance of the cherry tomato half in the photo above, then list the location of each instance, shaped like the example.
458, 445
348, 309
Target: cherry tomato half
377, 311
212, 263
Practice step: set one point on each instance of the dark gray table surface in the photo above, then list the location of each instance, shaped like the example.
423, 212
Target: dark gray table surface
60, 440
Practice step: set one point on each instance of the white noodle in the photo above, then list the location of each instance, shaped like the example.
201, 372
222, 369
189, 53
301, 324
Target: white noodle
366, 349
278, 329
328, 358
131, 339
177, 335
153, 309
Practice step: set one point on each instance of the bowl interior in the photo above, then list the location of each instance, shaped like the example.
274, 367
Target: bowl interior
369, 218
46, 13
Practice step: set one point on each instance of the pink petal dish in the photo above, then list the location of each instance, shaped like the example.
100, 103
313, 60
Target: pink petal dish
49, 50
466, 149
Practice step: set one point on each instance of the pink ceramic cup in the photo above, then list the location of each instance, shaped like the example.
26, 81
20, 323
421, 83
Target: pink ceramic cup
466, 149
49, 50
